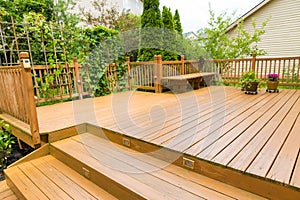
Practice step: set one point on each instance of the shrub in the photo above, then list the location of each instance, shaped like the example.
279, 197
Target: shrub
6, 141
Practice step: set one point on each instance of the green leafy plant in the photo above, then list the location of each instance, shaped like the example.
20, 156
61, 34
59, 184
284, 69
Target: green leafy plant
6, 141
220, 44
248, 79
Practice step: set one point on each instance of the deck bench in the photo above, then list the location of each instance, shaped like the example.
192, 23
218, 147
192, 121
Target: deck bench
179, 84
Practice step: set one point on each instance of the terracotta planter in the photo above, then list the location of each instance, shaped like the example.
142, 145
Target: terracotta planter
272, 86
251, 88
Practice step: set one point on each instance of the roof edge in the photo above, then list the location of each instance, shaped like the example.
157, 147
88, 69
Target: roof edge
247, 14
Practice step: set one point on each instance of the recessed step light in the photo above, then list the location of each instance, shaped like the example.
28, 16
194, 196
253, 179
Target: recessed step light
126, 142
188, 163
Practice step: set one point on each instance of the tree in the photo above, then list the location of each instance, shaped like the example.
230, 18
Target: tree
151, 37
177, 23
220, 45
109, 16
169, 35
17, 8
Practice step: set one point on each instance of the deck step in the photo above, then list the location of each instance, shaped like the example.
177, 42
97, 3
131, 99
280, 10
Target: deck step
48, 178
5, 192
127, 174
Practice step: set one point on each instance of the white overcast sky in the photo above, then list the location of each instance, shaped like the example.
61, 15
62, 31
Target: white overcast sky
194, 13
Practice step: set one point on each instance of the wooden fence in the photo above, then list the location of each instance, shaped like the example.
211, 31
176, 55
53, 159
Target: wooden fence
17, 96
147, 75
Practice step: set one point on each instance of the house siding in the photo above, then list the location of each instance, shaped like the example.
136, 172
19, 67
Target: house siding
282, 37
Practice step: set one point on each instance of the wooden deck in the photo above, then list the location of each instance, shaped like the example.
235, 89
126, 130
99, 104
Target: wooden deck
5, 192
255, 135
86, 166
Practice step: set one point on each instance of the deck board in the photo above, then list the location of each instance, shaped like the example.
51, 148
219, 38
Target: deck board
268, 154
249, 152
218, 121
5, 192
172, 182
255, 134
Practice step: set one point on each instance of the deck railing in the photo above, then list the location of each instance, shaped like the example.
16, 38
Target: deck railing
17, 95
147, 75
231, 70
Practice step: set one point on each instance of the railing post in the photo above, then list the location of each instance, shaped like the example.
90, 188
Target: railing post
29, 98
253, 63
182, 64
159, 67
128, 72
155, 65
201, 64
78, 81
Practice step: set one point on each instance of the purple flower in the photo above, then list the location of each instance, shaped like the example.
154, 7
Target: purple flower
273, 75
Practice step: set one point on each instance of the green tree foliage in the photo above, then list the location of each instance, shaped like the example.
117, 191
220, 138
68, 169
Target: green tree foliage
17, 8
61, 32
151, 37
220, 45
169, 36
177, 22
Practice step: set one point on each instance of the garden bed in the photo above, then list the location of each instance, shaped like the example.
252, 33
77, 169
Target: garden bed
15, 155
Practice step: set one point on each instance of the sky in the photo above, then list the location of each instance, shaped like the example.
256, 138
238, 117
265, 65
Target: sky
194, 13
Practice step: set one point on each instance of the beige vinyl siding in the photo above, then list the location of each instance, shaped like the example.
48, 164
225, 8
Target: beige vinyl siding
282, 37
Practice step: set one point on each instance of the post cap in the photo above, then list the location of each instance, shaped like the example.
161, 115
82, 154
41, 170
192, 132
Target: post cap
24, 55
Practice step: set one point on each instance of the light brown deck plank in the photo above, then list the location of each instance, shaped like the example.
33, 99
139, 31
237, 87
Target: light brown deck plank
57, 176
166, 115
6, 193
283, 166
166, 190
175, 111
78, 179
179, 177
142, 119
257, 121
45, 185
253, 148
28, 189
227, 154
295, 181
134, 159
239, 124
262, 163
80, 152
202, 119
183, 141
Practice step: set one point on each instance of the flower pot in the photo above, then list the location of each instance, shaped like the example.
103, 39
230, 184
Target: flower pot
272, 86
251, 88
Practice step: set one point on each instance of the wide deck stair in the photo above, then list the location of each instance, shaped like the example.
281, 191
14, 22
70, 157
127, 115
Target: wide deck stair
86, 166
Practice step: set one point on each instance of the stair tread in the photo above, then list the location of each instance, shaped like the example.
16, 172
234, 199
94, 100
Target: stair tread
48, 178
150, 177
5, 192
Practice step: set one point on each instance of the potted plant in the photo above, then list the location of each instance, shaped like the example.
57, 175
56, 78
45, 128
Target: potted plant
272, 83
250, 83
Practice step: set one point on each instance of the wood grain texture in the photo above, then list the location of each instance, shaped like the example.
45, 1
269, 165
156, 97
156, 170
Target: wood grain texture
217, 124
170, 181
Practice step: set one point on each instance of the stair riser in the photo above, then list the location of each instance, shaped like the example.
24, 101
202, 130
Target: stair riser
95, 176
